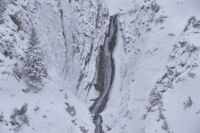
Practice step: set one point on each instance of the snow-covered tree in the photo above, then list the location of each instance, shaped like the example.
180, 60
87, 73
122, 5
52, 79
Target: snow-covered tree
34, 68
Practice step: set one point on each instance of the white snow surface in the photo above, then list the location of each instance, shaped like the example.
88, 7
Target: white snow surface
116, 6
156, 82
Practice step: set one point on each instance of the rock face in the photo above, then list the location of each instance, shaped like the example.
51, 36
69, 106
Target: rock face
126, 66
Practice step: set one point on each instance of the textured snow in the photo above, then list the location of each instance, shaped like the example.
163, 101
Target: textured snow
119, 6
156, 83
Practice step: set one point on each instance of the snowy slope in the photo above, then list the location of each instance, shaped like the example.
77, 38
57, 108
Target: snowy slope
55, 108
135, 72
141, 68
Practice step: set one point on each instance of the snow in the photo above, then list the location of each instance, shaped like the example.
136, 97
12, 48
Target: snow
183, 120
51, 116
136, 76
148, 48
119, 6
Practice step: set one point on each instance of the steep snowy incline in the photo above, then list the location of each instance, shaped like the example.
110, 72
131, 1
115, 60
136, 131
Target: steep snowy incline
119, 6
145, 45
53, 109
137, 72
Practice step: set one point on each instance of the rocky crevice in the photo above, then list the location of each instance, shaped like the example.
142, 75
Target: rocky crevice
105, 73
62, 23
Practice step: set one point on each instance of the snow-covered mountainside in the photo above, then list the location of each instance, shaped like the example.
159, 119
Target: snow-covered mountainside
99, 66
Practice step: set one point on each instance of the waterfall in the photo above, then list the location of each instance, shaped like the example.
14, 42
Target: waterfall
105, 69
